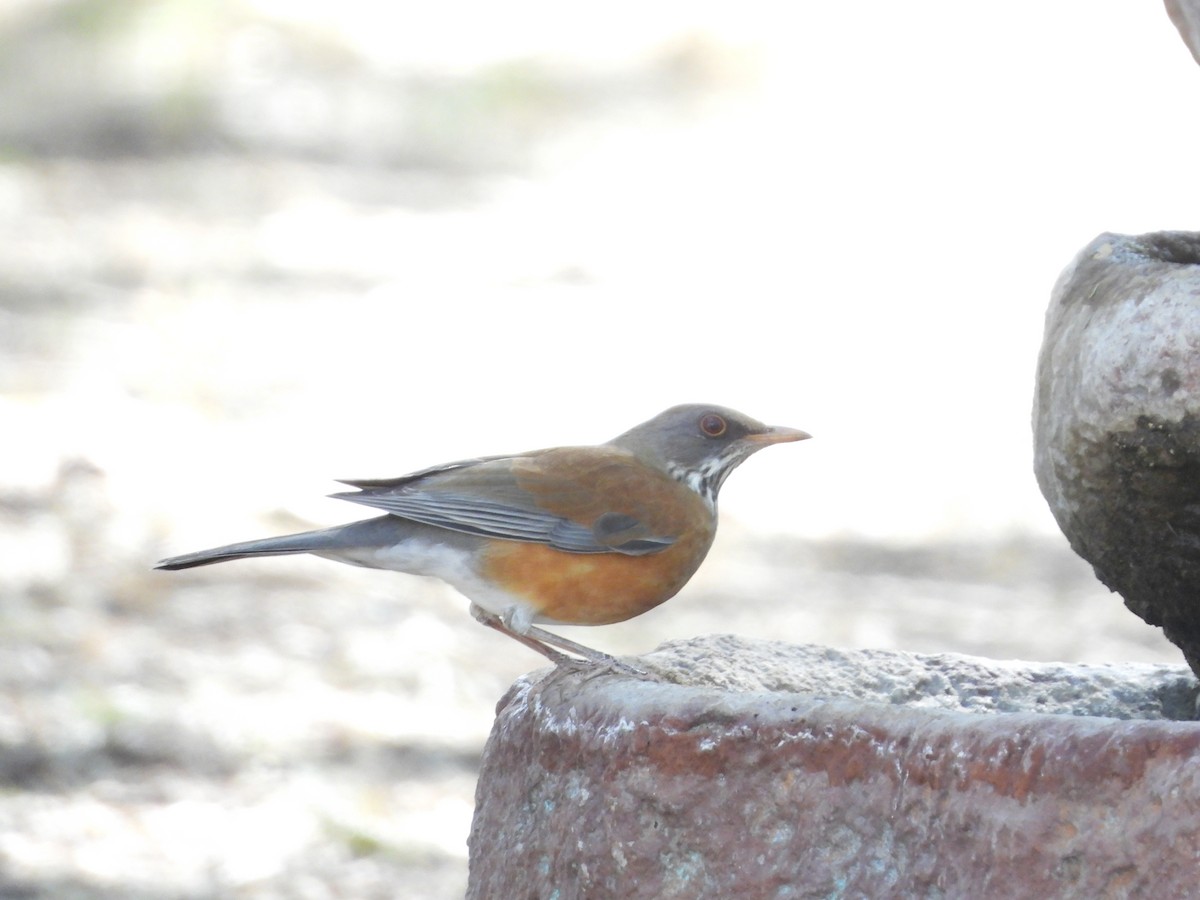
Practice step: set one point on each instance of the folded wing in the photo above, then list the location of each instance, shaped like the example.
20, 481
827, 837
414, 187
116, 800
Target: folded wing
579, 500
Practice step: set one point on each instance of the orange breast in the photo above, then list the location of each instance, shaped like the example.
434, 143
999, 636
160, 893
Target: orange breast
583, 485
594, 588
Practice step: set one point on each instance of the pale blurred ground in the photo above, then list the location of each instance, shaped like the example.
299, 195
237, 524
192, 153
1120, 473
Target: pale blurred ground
246, 248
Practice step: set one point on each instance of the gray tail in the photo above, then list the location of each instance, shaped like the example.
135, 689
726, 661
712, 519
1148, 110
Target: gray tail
280, 546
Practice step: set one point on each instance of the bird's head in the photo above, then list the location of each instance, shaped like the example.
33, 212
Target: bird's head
700, 444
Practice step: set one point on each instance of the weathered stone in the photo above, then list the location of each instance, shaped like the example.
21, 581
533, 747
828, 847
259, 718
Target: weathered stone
1117, 422
734, 775
1186, 16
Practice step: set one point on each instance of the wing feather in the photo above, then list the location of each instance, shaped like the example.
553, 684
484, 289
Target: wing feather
562, 498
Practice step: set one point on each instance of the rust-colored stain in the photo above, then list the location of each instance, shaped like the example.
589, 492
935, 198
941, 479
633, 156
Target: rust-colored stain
965, 754
582, 796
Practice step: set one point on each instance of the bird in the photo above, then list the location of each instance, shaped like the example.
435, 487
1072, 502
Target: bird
587, 535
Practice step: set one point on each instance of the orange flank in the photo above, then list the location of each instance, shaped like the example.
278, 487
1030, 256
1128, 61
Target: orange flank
593, 588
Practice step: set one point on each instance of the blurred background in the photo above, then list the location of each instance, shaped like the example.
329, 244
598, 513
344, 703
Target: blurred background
250, 246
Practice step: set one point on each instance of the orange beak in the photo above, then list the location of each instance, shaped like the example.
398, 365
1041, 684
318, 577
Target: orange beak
777, 434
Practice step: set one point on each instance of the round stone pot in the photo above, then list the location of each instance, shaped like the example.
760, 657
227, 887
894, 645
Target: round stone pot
1116, 422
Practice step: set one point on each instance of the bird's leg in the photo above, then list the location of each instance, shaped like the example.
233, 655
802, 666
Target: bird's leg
491, 620
543, 642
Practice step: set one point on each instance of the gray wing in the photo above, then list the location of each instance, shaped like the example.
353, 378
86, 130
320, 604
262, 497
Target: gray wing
473, 516
485, 497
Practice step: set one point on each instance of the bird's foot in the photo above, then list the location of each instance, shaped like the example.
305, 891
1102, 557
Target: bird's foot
601, 664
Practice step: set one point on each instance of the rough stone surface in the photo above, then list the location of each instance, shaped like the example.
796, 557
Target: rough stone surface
1117, 422
1186, 16
754, 769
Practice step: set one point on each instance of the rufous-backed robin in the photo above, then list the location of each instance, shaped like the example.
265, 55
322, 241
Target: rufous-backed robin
568, 535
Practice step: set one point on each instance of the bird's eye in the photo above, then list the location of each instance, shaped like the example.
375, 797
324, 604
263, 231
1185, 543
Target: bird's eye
712, 425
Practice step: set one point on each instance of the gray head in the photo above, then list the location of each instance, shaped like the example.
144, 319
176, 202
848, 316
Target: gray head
700, 444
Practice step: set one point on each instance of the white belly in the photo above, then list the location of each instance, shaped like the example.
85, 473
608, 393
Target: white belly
452, 565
